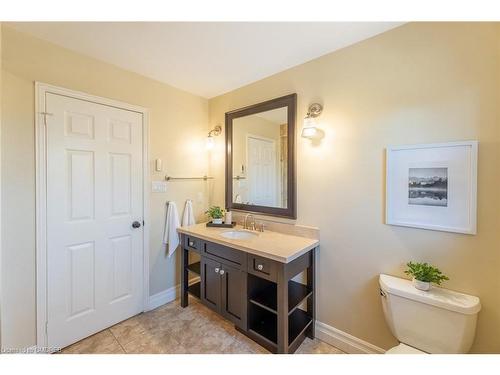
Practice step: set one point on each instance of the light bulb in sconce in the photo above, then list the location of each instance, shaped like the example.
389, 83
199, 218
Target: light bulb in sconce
309, 126
210, 142
211, 137
309, 129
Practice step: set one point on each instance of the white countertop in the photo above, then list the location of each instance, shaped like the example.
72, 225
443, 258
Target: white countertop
273, 245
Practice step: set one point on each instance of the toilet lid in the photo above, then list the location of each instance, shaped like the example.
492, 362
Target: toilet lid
436, 296
404, 349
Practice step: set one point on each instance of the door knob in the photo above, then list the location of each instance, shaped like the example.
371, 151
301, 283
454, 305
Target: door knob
260, 267
221, 272
136, 224
216, 270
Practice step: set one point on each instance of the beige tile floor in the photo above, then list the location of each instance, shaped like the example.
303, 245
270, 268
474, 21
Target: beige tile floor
172, 329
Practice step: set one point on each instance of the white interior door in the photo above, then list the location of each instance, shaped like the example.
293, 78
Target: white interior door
262, 171
94, 194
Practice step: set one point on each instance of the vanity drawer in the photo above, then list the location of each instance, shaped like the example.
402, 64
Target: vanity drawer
225, 254
262, 267
193, 243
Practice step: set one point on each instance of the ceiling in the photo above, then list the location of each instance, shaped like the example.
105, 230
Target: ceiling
207, 59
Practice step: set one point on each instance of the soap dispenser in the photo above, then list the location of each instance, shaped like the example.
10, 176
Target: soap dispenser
229, 217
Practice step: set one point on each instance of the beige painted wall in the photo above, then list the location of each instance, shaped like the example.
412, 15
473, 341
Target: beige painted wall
419, 83
178, 127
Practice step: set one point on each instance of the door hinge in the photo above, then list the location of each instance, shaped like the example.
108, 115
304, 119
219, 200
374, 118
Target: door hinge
45, 114
143, 223
46, 328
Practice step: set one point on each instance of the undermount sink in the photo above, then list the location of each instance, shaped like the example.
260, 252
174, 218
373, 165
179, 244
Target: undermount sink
239, 234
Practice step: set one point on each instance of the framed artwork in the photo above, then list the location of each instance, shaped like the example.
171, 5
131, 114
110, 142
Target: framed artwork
433, 186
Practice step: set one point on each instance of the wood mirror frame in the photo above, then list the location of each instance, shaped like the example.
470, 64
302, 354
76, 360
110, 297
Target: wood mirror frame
289, 101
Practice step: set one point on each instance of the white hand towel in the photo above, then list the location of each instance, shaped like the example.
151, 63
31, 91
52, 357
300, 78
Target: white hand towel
188, 215
170, 235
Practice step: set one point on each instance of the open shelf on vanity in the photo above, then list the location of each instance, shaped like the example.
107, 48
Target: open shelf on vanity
263, 314
263, 293
194, 268
263, 323
195, 289
298, 322
297, 293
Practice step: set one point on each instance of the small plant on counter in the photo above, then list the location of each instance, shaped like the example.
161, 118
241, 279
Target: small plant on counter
424, 274
216, 214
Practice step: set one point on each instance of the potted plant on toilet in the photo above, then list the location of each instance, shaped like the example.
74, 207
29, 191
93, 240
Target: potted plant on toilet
216, 214
424, 274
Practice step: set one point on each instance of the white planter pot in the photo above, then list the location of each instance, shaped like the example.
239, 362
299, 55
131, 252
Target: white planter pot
421, 285
217, 221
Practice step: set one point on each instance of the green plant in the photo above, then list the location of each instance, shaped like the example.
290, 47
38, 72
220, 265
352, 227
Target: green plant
425, 272
215, 212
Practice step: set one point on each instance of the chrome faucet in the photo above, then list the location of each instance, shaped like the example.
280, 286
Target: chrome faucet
245, 223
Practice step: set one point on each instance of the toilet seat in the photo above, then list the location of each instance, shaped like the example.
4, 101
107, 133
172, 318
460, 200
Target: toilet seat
404, 349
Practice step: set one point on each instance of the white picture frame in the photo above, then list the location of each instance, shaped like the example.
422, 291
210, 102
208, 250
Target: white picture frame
433, 186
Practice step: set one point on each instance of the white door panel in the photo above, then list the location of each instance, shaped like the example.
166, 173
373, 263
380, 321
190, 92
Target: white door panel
262, 171
94, 193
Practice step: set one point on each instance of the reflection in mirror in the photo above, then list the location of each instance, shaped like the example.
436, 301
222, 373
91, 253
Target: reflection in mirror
259, 152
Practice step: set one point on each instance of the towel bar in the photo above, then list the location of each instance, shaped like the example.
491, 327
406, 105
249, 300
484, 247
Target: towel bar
204, 178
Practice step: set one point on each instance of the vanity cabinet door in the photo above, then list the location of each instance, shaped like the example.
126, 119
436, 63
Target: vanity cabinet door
234, 295
210, 283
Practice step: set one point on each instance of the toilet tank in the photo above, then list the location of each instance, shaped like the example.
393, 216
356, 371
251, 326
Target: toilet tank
436, 321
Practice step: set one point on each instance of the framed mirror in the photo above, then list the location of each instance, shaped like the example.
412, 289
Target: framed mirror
260, 158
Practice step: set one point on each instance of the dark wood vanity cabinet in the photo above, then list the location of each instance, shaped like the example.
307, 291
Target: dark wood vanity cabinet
257, 294
221, 287
210, 280
233, 302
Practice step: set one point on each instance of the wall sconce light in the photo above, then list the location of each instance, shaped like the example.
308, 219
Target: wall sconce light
211, 134
309, 129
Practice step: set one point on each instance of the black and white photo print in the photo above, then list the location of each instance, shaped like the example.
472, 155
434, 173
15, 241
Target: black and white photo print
428, 186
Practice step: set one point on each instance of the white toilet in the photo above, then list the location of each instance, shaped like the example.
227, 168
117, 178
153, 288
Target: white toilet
436, 321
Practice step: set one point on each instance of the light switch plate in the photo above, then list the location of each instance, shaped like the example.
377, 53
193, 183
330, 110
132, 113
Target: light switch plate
159, 186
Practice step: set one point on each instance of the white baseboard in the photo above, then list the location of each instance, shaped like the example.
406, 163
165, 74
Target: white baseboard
168, 295
344, 341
